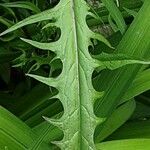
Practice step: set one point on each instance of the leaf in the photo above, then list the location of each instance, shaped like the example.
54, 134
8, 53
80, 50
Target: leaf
116, 83
7, 23
46, 15
33, 119
138, 144
118, 117
17, 135
74, 84
22, 4
33, 101
13, 133
9, 11
79, 116
112, 24
139, 85
50, 132
114, 61
131, 12
133, 129
116, 14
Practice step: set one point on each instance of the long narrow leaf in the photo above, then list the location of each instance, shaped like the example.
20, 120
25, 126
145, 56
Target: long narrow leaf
134, 144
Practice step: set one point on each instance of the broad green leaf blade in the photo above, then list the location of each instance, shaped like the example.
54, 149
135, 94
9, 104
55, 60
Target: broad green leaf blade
36, 113
31, 103
118, 117
133, 144
13, 133
16, 135
132, 129
139, 85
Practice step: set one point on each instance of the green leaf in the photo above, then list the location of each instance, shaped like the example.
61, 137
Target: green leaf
138, 144
139, 85
131, 12
22, 4
116, 83
79, 116
132, 129
118, 117
46, 15
74, 84
13, 133
51, 133
116, 14
7, 23
114, 61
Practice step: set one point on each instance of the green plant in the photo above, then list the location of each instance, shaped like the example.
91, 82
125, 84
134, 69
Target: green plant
88, 102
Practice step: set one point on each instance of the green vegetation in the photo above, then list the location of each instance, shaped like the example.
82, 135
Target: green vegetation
74, 75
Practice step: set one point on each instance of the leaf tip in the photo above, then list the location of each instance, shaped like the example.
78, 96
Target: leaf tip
45, 118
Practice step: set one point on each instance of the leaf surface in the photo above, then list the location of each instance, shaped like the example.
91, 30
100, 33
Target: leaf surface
138, 144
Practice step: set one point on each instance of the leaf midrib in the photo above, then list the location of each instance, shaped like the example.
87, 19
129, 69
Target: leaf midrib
75, 26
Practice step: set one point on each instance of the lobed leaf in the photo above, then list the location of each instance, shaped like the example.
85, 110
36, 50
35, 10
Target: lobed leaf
74, 85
